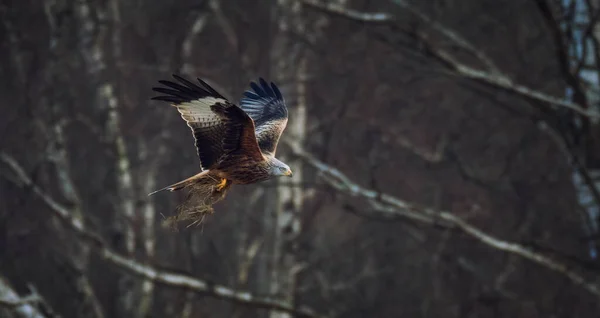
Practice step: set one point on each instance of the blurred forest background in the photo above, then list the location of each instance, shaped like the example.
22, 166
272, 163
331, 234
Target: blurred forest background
446, 159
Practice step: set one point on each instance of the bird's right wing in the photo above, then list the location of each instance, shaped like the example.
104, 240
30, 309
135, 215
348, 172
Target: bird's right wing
265, 104
219, 127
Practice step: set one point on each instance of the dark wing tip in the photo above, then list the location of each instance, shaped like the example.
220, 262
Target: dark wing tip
184, 91
276, 91
264, 102
262, 89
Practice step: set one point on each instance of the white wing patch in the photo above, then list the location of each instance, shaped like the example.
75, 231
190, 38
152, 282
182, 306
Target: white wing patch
198, 111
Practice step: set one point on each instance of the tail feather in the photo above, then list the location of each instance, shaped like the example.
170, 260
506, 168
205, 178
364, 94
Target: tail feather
182, 184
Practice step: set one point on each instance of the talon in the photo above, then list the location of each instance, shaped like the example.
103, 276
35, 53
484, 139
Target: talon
222, 184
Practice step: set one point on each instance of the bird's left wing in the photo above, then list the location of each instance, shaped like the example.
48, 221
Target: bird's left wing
219, 127
266, 106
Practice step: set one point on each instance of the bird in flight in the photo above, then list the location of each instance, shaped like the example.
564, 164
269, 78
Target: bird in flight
236, 145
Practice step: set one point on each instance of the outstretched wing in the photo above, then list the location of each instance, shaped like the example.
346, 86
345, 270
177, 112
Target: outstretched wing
219, 127
265, 105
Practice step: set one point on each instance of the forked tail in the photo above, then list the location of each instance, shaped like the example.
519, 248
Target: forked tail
184, 183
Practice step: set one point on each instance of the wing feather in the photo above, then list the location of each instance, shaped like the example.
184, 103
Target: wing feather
264, 103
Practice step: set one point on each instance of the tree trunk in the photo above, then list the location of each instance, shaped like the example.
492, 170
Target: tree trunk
98, 58
290, 67
151, 162
586, 172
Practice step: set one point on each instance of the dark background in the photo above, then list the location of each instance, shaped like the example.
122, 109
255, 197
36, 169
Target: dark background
446, 159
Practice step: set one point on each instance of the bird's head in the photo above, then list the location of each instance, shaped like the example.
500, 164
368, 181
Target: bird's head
278, 168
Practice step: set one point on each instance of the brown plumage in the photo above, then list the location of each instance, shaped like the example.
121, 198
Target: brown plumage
236, 145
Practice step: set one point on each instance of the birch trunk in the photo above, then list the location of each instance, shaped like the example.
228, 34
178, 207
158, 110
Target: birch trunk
197, 27
58, 153
96, 57
291, 66
586, 174
152, 161
81, 257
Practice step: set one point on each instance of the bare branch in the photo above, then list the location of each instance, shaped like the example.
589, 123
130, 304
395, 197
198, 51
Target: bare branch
386, 205
501, 81
497, 80
59, 210
21, 306
201, 286
146, 271
394, 207
348, 13
450, 34
30, 299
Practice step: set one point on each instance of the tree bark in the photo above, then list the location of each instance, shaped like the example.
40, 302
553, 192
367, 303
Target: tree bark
290, 67
98, 59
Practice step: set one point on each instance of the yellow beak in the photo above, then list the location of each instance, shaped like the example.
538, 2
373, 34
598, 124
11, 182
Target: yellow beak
288, 173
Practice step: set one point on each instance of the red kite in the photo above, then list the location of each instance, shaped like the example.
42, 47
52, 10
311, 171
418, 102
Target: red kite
236, 145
